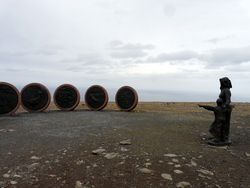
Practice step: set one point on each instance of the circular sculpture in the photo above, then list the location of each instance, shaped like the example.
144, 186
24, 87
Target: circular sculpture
126, 98
96, 97
66, 97
9, 98
35, 97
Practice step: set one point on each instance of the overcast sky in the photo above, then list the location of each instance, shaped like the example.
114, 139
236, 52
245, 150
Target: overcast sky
155, 46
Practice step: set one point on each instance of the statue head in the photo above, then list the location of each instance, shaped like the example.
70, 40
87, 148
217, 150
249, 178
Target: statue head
225, 83
219, 101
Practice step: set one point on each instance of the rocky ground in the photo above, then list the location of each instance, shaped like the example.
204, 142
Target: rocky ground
155, 145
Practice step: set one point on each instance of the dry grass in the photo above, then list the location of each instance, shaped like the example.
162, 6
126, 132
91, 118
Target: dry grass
162, 107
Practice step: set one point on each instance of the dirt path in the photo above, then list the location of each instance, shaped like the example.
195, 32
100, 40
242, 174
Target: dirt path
166, 147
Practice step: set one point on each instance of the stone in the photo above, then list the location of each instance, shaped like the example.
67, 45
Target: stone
170, 155
79, 162
111, 155
207, 172
193, 163
167, 176
13, 182
146, 171
147, 164
175, 160
35, 158
178, 172
78, 184
183, 184
17, 176
124, 149
33, 165
97, 151
6, 175
125, 142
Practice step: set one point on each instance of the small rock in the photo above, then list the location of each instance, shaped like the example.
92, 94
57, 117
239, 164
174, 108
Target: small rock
52, 175
111, 155
97, 151
170, 155
6, 175
78, 184
177, 166
123, 149
125, 142
175, 160
167, 176
33, 165
207, 172
120, 163
247, 154
193, 163
17, 176
35, 158
147, 164
146, 171
203, 176
183, 184
79, 162
13, 182
178, 171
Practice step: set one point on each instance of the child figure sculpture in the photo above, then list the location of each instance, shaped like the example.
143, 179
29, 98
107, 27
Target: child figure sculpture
217, 128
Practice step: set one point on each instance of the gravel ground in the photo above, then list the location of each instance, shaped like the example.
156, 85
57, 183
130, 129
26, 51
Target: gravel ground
165, 145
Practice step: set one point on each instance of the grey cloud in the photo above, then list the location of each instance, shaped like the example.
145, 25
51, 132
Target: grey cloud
120, 50
212, 59
216, 40
128, 54
226, 56
177, 56
87, 59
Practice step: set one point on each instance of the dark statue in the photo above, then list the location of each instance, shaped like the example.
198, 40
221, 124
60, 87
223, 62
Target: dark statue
96, 97
126, 98
8, 99
220, 128
34, 97
66, 97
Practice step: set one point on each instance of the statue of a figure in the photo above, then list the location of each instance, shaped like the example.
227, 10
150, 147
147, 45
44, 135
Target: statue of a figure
222, 112
225, 95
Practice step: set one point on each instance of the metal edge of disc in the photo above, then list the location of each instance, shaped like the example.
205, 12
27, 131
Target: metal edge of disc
135, 102
77, 101
106, 98
41, 109
18, 95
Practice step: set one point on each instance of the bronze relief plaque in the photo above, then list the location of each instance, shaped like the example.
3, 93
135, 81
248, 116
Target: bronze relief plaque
66, 97
9, 98
35, 97
96, 97
126, 98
